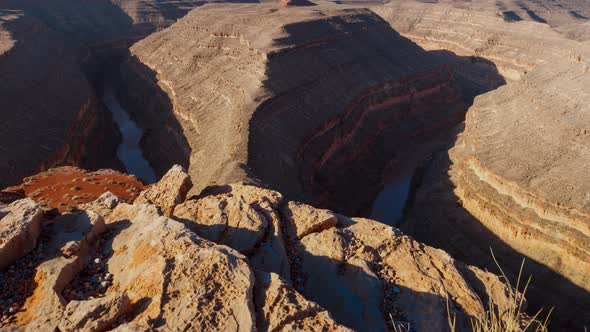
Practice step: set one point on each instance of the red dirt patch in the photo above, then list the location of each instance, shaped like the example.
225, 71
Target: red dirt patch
63, 188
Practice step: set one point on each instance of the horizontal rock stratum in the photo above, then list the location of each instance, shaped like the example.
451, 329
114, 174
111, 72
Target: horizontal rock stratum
518, 172
297, 97
236, 257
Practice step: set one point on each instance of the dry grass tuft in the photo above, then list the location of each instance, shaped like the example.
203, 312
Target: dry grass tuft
511, 319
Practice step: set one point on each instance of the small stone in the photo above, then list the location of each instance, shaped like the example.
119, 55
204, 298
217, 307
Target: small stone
97, 260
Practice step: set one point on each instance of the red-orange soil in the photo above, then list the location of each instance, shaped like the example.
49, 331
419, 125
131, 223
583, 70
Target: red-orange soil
63, 188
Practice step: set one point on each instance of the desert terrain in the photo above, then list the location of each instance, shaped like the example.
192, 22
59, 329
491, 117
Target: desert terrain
293, 165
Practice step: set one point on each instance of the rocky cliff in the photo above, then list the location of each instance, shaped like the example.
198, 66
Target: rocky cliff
55, 54
236, 257
516, 175
49, 110
292, 95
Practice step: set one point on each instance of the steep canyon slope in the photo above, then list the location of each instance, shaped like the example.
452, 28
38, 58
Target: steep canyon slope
52, 55
291, 95
517, 174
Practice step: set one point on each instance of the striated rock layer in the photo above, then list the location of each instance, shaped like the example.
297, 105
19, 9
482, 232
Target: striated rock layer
314, 101
518, 171
229, 260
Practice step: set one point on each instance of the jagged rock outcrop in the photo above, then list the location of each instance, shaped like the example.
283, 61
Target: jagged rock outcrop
515, 178
236, 101
136, 269
169, 192
20, 227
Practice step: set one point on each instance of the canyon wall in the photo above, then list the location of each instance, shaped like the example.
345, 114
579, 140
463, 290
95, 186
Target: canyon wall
314, 101
516, 178
55, 54
49, 110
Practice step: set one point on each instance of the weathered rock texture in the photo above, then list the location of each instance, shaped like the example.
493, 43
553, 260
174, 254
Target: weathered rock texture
135, 269
20, 227
312, 100
169, 192
517, 174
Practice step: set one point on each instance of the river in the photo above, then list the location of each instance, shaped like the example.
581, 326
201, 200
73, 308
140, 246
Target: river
388, 207
129, 151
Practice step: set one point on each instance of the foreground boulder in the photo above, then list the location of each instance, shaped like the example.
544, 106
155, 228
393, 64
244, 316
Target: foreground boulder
169, 192
276, 266
20, 226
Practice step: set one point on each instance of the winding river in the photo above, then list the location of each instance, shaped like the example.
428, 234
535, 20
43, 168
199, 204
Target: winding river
129, 151
388, 207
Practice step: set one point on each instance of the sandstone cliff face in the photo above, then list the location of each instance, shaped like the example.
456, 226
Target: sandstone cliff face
292, 95
519, 167
119, 266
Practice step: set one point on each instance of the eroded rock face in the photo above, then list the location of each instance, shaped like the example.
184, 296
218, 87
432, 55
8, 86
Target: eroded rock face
191, 283
139, 270
169, 192
306, 219
282, 308
20, 227
324, 132
516, 178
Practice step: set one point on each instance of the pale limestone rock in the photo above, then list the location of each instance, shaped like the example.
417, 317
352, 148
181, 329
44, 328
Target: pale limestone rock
169, 191
20, 226
234, 218
206, 286
281, 308
45, 307
352, 269
307, 219
96, 314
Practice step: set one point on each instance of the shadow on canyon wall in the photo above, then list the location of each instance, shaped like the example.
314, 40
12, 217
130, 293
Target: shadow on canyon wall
50, 114
163, 143
353, 141
434, 215
390, 103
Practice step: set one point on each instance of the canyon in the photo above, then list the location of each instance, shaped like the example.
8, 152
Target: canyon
461, 123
